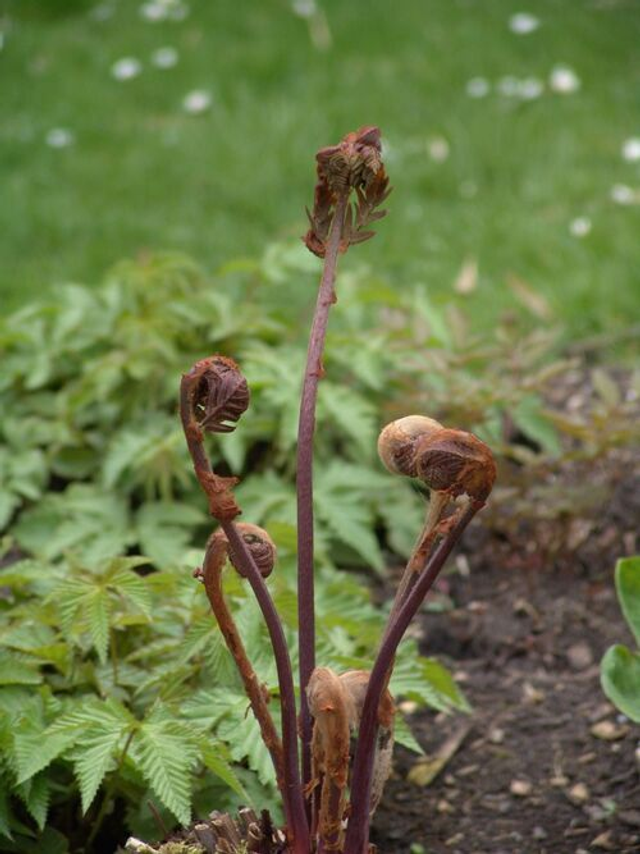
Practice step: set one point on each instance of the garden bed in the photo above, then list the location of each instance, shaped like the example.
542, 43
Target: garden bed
545, 764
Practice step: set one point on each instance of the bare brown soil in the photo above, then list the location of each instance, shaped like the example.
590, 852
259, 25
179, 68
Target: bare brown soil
547, 764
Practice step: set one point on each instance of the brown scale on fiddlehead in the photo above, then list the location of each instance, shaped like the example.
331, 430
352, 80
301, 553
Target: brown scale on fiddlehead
220, 395
213, 396
261, 547
457, 463
354, 164
451, 463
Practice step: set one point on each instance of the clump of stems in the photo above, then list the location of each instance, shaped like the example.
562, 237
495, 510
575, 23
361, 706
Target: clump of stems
312, 765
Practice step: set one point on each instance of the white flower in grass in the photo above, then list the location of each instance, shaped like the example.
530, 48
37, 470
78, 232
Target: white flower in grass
631, 149
59, 138
564, 80
523, 23
478, 87
179, 12
621, 194
438, 148
304, 8
580, 226
509, 86
154, 11
197, 101
102, 12
165, 57
126, 68
530, 88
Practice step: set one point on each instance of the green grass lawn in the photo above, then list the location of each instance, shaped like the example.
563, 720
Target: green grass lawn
497, 179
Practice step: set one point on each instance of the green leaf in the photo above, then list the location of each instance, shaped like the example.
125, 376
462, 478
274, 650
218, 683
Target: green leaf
165, 530
350, 522
628, 588
404, 736
242, 733
98, 613
124, 450
97, 750
165, 757
35, 749
352, 413
403, 513
620, 678
427, 681
529, 416
93, 524
36, 794
214, 759
5, 808
122, 576
18, 670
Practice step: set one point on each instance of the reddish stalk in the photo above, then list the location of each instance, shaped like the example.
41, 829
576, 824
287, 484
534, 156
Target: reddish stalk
223, 507
420, 554
361, 779
214, 561
304, 477
292, 794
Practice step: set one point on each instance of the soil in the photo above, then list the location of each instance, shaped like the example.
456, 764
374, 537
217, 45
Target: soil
543, 764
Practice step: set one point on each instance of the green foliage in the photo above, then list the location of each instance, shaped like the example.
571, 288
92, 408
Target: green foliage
115, 685
620, 667
89, 386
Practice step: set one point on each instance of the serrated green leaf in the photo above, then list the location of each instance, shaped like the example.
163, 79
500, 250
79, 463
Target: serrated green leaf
91, 523
404, 735
5, 809
165, 530
242, 734
35, 749
92, 712
404, 512
98, 611
352, 414
165, 757
125, 449
18, 670
132, 586
97, 750
427, 681
350, 523
213, 756
36, 794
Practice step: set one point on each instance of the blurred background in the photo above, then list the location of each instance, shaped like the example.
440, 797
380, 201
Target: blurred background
512, 139
156, 158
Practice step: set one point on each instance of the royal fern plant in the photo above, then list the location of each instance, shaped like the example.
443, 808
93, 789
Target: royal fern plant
327, 797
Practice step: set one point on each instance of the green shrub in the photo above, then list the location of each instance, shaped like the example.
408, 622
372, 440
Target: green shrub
117, 685
91, 453
114, 683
